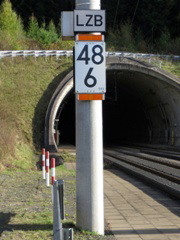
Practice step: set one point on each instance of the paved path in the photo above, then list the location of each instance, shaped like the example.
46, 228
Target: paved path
135, 211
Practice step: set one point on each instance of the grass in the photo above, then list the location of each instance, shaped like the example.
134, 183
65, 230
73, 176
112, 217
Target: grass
25, 89
67, 157
26, 206
172, 67
25, 157
167, 65
27, 214
62, 170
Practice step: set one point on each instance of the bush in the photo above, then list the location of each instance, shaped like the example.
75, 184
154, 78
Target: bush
53, 32
174, 46
163, 42
45, 36
33, 29
121, 39
127, 38
140, 43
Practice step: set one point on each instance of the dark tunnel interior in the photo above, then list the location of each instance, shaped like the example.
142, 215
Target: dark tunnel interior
66, 124
124, 118
123, 111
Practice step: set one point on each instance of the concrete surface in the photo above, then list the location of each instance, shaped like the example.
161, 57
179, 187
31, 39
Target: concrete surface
136, 211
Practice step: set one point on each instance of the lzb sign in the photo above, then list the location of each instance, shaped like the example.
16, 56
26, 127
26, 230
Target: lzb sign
90, 67
89, 21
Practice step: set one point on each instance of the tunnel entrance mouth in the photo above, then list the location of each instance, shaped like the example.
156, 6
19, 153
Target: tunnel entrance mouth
124, 120
139, 108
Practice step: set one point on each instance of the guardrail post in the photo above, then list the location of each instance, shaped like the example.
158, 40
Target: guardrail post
57, 225
68, 233
61, 198
59, 232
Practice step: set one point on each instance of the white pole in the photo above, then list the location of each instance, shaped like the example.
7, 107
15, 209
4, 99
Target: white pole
89, 150
53, 174
53, 165
47, 169
43, 164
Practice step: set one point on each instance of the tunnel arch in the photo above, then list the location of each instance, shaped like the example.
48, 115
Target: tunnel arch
134, 88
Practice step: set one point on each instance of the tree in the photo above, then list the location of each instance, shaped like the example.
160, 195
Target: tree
33, 29
11, 27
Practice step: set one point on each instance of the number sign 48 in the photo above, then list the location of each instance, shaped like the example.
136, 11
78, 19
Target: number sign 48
90, 73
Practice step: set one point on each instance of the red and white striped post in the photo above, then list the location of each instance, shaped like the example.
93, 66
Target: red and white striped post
53, 163
43, 164
47, 169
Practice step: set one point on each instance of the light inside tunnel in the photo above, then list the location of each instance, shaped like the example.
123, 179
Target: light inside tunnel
138, 108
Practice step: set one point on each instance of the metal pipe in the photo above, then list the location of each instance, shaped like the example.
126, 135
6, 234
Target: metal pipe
85, 4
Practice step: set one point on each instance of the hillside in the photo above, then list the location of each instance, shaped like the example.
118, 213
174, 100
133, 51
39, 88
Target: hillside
25, 88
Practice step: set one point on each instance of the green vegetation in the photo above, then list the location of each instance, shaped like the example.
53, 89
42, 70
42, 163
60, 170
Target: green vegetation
141, 29
13, 35
44, 36
123, 39
171, 67
67, 157
25, 89
11, 28
28, 214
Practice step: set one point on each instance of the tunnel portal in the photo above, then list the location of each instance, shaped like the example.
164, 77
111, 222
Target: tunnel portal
141, 106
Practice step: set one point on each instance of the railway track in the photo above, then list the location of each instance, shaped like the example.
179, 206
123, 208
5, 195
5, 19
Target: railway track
161, 172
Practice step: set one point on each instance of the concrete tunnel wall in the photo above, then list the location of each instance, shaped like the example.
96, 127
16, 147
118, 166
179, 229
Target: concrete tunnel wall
154, 91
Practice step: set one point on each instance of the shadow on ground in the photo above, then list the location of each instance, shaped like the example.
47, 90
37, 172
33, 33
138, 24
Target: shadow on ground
5, 226
4, 221
146, 231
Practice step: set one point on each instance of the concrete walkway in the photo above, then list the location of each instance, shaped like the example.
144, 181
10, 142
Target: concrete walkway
135, 211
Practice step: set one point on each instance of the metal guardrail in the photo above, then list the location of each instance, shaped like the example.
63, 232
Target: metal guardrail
35, 53
68, 53
143, 55
59, 233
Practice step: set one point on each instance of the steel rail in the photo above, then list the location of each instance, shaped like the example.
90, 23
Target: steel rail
157, 179
146, 168
152, 158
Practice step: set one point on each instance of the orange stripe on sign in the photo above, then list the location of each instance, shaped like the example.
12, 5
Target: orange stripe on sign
88, 97
89, 37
